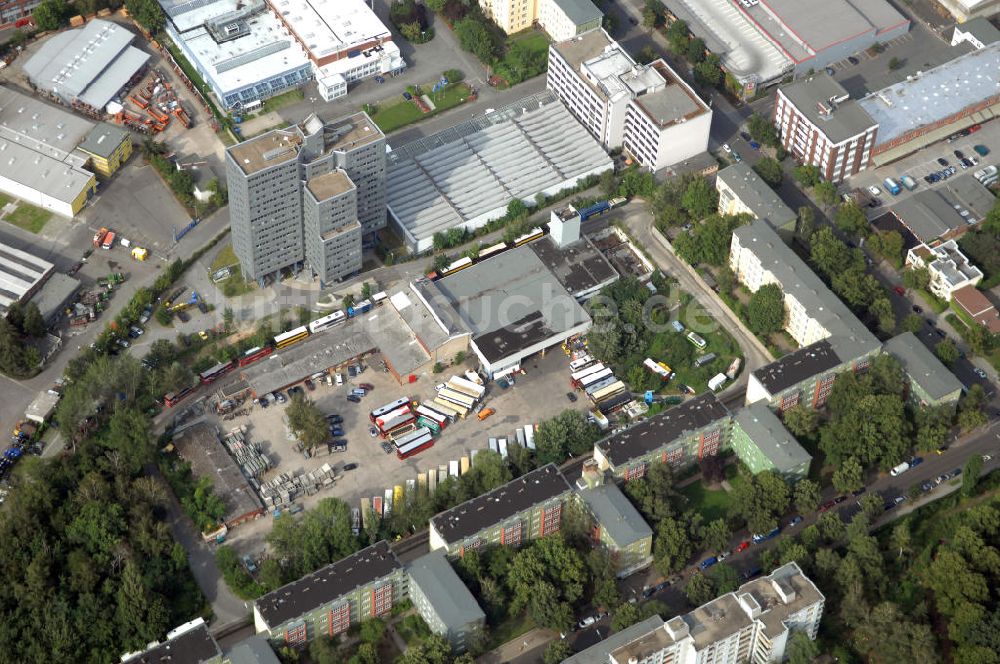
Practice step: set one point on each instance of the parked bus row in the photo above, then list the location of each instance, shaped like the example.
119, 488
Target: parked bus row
599, 383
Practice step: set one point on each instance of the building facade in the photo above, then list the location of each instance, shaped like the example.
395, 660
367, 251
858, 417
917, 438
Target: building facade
741, 191
929, 383
821, 126
444, 602
762, 442
108, 148
317, 186
364, 585
562, 19
616, 525
948, 267
524, 509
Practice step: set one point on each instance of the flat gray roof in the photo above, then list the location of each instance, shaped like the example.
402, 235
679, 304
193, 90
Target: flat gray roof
511, 301
451, 599
580, 11
601, 652
842, 119
616, 514
771, 437
444, 180
579, 266
670, 104
756, 194
193, 644
921, 365
39, 125
103, 140
929, 215
821, 24
968, 192
55, 294
980, 28
253, 650
935, 95
395, 340
849, 337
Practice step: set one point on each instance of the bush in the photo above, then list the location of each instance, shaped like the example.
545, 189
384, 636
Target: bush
236, 576
454, 75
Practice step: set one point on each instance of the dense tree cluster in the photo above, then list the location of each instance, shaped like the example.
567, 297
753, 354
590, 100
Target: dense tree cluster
766, 310
709, 242
568, 434
307, 421
18, 358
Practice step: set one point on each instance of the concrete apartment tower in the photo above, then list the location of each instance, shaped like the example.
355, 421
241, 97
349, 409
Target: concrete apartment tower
307, 194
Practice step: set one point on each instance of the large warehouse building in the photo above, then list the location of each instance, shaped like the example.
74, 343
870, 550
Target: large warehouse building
465, 176
762, 42
249, 51
86, 67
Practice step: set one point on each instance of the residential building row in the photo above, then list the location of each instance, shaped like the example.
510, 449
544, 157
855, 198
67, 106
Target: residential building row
819, 123
306, 195
561, 19
648, 111
192, 643
754, 623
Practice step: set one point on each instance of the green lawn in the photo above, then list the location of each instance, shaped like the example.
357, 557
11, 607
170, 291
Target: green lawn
28, 217
4, 199
284, 99
399, 113
934, 303
224, 258
711, 504
413, 628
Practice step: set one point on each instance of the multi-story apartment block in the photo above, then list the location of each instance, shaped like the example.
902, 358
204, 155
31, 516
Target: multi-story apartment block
524, 509
190, 643
646, 109
948, 267
616, 525
820, 125
443, 601
752, 624
762, 442
741, 191
562, 19
680, 435
327, 602
307, 193
930, 383
831, 337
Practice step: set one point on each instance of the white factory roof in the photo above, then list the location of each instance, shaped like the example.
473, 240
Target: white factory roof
19, 272
91, 63
327, 27
935, 95
62, 180
267, 50
442, 181
42, 127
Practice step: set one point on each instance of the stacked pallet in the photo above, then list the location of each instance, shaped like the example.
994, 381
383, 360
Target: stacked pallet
248, 455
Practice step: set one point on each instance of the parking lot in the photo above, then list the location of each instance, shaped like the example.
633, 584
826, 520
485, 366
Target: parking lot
538, 395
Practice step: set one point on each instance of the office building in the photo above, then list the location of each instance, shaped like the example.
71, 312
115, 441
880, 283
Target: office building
363, 585
978, 32
250, 51
830, 336
762, 442
930, 383
617, 526
443, 601
646, 109
752, 624
820, 125
948, 267
524, 509
562, 19
761, 43
307, 193
680, 435
741, 191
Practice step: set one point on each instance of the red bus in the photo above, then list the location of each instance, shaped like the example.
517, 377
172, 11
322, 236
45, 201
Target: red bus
415, 445
216, 372
171, 399
255, 354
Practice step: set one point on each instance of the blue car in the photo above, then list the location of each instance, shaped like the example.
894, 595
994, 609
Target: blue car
916, 461
755, 145
707, 562
407, 96
757, 539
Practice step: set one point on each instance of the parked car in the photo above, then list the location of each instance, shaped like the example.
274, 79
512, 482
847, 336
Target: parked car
942, 161
981, 150
979, 372
373, 432
874, 191
726, 148
707, 562
249, 564
754, 145
586, 622
484, 413
353, 398
916, 309
366, 386
899, 290
743, 546
916, 461
827, 505
280, 398
571, 396
958, 154
334, 419
795, 521
407, 96
853, 60
725, 554
311, 386
831, 71
292, 391
737, 157
745, 136
387, 447
350, 466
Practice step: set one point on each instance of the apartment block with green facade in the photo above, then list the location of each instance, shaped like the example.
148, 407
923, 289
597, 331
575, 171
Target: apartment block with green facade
930, 383
762, 442
363, 585
681, 435
617, 526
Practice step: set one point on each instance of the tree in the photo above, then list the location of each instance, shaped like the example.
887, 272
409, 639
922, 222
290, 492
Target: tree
475, 38
366, 291
769, 170
33, 324
411, 31
849, 476
50, 14
881, 310
710, 240
851, 220
325, 650
895, 63
566, 434
700, 198
801, 649
646, 55
761, 500
624, 616
805, 224
970, 474
761, 130
766, 310
806, 175
918, 278
716, 535
806, 495
699, 590
946, 351
435, 6
826, 193
652, 15
677, 33
800, 420
672, 546
913, 323
307, 421
696, 50
557, 651
148, 13
708, 72
608, 182
372, 631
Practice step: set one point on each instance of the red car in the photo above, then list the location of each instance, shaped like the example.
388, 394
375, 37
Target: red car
827, 505
899, 290
744, 545
366, 386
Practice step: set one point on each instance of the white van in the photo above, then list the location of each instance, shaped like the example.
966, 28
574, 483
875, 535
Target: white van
340, 379
900, 469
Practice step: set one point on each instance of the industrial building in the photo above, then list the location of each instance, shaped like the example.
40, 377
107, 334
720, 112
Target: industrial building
820, 125
86, 67
945, 212
465, 176
562, 19
21, 276
646, 109
443, 601
931, 384
524, 509
754, 623
249, 51
307, 194
761, 43
762, 442
741, 191
364, 585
